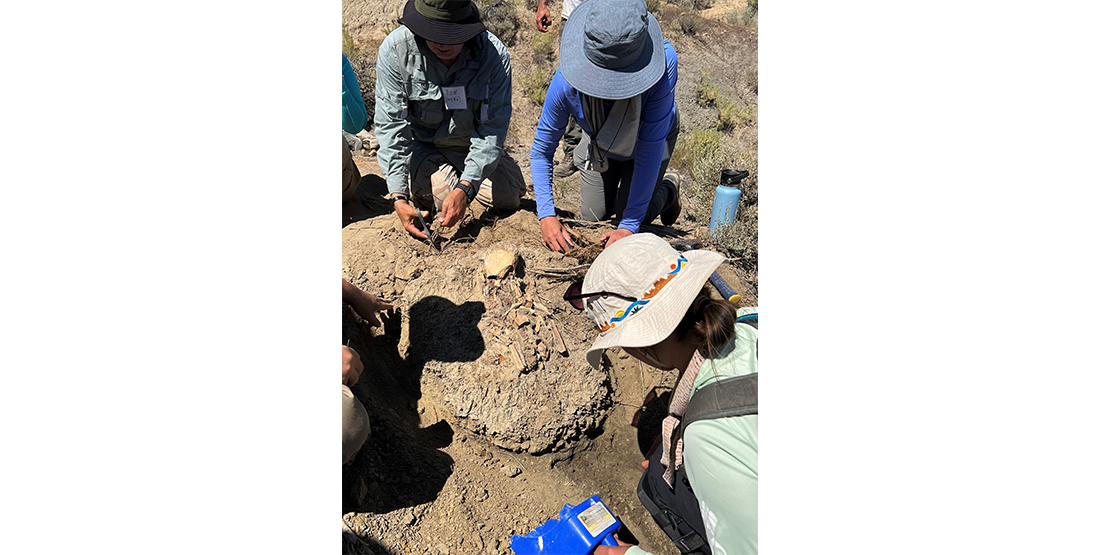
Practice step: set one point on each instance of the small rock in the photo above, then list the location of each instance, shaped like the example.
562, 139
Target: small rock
409, 519
354, 142
442, 549
370, 142
511, 471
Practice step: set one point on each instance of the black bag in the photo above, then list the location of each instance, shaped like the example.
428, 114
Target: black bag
676, 510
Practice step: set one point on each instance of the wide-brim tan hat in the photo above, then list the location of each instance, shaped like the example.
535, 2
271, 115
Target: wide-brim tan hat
664, 281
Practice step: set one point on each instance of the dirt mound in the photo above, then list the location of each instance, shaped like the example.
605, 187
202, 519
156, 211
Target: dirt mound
485, 416
491, 351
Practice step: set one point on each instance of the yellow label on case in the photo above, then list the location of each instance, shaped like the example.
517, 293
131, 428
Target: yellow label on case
596, 519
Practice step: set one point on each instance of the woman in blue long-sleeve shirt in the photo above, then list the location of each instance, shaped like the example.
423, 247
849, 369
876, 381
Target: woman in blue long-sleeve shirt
617, 79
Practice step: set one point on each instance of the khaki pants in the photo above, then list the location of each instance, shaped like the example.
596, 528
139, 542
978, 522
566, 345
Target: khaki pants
351, 172
356, 425
436, 178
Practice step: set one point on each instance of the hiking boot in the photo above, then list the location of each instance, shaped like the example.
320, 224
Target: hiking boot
668, 217
565, 168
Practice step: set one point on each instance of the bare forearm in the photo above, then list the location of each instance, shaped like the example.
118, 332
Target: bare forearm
350, 292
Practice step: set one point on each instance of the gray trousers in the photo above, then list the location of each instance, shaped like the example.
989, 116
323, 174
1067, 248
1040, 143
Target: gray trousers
600, 192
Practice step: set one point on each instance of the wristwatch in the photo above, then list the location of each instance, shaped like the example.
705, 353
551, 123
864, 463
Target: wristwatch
470, 193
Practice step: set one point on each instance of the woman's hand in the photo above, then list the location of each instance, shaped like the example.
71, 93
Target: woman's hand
616, 550
554, 235
615, 235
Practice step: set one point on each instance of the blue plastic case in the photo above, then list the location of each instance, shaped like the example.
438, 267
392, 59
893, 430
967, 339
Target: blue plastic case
579, 530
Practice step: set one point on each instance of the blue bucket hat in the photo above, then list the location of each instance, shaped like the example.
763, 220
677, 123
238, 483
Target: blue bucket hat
612, 49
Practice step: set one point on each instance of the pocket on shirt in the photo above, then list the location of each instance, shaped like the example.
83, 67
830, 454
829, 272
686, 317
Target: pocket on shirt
477, 100
425, 103
463, 122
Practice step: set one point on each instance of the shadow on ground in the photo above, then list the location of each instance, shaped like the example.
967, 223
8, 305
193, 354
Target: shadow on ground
401, 465
367, 202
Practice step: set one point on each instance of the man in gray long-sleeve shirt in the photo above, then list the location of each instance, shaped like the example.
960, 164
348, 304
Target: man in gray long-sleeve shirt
444, 101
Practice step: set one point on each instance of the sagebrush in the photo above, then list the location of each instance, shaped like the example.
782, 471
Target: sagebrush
499, 17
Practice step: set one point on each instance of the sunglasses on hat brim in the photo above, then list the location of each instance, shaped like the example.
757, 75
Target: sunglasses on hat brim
576, 298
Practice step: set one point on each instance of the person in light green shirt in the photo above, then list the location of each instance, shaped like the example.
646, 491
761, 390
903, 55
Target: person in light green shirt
649, 299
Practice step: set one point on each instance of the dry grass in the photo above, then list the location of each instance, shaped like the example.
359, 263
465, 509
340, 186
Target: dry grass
349, 45
543, 47
688, 22
731, 113
706, 92
746, 16
535, 84
500, 18
700, 153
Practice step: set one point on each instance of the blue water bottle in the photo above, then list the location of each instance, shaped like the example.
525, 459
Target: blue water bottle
726, 197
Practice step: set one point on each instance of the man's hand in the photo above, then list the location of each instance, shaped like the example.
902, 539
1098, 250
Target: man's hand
454, 207
364, 304
542, 17
407, 214
615, 235
554, 235
352, 367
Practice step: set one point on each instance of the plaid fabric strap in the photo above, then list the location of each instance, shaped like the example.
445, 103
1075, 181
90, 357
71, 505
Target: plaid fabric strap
670, 427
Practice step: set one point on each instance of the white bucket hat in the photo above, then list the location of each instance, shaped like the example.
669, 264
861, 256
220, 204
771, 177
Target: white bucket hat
664, 283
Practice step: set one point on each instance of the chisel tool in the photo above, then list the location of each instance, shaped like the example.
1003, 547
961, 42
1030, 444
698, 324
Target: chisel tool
427, 231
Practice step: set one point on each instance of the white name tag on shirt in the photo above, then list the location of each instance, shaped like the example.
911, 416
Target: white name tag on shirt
454, 98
